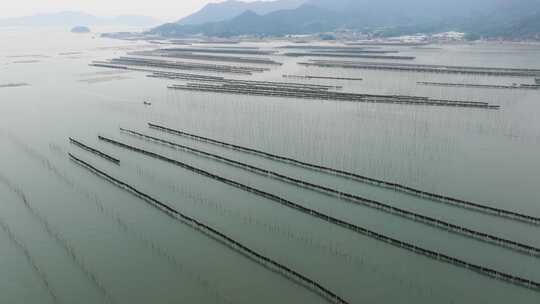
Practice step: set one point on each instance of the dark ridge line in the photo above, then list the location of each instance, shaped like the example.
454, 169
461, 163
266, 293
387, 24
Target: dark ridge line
219, 236
355, 199
42, 275
94, 151
364, 231
62, 242
349, 175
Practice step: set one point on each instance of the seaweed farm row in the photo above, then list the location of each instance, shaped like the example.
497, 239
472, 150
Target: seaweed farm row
364, 179
13, 85
371, 43
233, 47
192, 56
160, 74
527, 249
340, 49
180, 65
481, 86
221, 80
121, 224
219, 236
94, 151
490, 71
341, 55
348, 49
220, 51
341, 223
280, 91
372, 50
320, 77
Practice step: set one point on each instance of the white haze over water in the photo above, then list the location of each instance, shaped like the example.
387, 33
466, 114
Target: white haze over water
163, 9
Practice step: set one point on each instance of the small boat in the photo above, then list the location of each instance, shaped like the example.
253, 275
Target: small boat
147, 103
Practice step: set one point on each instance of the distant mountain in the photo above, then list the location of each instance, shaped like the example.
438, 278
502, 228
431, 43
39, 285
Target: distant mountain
517, 18
215, 12
305, 19
490, 18
80, 30
77, 18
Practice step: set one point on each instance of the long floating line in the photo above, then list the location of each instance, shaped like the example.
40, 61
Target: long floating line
482, 86
203, 57
151, 245
95, 151
349, 97
338, 55
485, 237
223, 238
397, 187
255, 89
220, 50
65, 179
364, 231
424, 68
183, 76
320, 77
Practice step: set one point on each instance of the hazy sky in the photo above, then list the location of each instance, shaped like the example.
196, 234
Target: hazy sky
164, 9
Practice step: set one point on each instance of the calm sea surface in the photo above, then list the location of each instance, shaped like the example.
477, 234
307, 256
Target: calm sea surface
68, 236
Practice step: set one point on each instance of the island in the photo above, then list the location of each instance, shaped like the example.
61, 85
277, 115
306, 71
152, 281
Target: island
80, 30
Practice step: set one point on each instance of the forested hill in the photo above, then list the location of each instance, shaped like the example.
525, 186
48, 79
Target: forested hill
490, 18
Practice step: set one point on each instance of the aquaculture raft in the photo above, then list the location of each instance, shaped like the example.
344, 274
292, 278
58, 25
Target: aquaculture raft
340, 55
364, 179
279, 91
482, 86
364, 231
320, 77
491, 71
206, 57
488, 238
219, 236
94, 151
